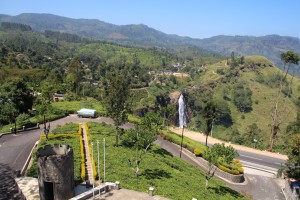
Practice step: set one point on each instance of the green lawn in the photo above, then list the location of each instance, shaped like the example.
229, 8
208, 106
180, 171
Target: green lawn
73, 106
33, 120
63, 136
187, 142
171, 177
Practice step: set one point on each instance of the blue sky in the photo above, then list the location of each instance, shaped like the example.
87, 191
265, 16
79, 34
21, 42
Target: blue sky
194, 18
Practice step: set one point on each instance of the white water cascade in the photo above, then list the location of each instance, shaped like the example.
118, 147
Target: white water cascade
181, 112
182, 118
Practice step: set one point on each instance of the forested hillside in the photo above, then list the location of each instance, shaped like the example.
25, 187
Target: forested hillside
245, 95
34, 66
270, 46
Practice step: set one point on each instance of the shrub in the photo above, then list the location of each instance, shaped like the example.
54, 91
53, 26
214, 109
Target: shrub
227, 154
190, 148
82, 161
197, 152
167, 137
129, 138
234, 172
241, 170
223, 168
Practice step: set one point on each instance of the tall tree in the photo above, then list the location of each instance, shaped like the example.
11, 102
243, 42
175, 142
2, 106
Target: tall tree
288, 58
210, 114
45, 110
17, 92
116, 93
75, 74
142, 139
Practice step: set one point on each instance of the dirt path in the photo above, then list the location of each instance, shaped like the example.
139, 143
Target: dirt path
197, 136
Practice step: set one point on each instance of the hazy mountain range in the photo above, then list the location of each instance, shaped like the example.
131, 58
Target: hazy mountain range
270, 46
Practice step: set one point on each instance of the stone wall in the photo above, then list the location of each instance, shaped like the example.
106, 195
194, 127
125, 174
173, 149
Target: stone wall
9, 188
56, 168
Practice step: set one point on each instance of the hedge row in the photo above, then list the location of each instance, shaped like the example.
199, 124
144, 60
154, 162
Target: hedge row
82, 161
43, 137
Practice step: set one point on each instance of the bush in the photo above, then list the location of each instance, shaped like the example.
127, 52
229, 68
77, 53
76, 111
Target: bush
241, 170
167, 137
82, 161
129, 138
197, 152
234, 172
227, 154
191, 149
223, 168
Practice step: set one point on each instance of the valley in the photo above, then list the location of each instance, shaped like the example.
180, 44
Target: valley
245, 98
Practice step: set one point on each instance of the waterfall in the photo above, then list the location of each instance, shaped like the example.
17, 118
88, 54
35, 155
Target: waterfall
182, 112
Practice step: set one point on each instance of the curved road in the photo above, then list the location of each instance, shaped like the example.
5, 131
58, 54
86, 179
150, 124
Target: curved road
257, 187
14, 149
251, 159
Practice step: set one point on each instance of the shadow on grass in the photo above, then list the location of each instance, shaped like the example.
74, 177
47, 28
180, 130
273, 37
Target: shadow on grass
161, 152
225, 190
155, 174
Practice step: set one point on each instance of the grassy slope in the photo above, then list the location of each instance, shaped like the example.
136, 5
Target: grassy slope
171, 176
261, 113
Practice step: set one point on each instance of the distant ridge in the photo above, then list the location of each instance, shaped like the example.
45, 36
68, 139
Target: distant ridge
270, 46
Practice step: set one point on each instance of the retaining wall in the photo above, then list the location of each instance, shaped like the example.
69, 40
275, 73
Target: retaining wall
233, 178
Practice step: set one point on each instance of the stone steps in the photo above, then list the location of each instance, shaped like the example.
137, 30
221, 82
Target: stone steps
88, 161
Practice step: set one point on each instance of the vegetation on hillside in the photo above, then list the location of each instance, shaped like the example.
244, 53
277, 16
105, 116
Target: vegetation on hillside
243, 88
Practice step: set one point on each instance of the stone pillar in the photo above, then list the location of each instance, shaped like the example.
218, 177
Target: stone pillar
56, 172
151, 191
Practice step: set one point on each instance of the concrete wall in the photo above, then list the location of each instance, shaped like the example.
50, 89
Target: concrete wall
56, 165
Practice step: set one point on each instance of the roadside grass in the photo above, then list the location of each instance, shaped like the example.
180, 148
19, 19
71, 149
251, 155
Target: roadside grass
64, 137
74, 106
33, 120
68, 128
170, 176
187, 143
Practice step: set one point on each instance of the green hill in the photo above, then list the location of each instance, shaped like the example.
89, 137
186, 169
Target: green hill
220, 82
270, 46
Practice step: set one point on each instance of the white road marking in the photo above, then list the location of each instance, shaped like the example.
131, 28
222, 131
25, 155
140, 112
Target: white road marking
251, 157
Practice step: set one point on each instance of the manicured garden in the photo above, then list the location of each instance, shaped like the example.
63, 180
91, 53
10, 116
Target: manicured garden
170, 176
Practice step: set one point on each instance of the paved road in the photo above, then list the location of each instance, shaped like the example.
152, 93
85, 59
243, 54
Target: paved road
258, 187
254, 160
14, 149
